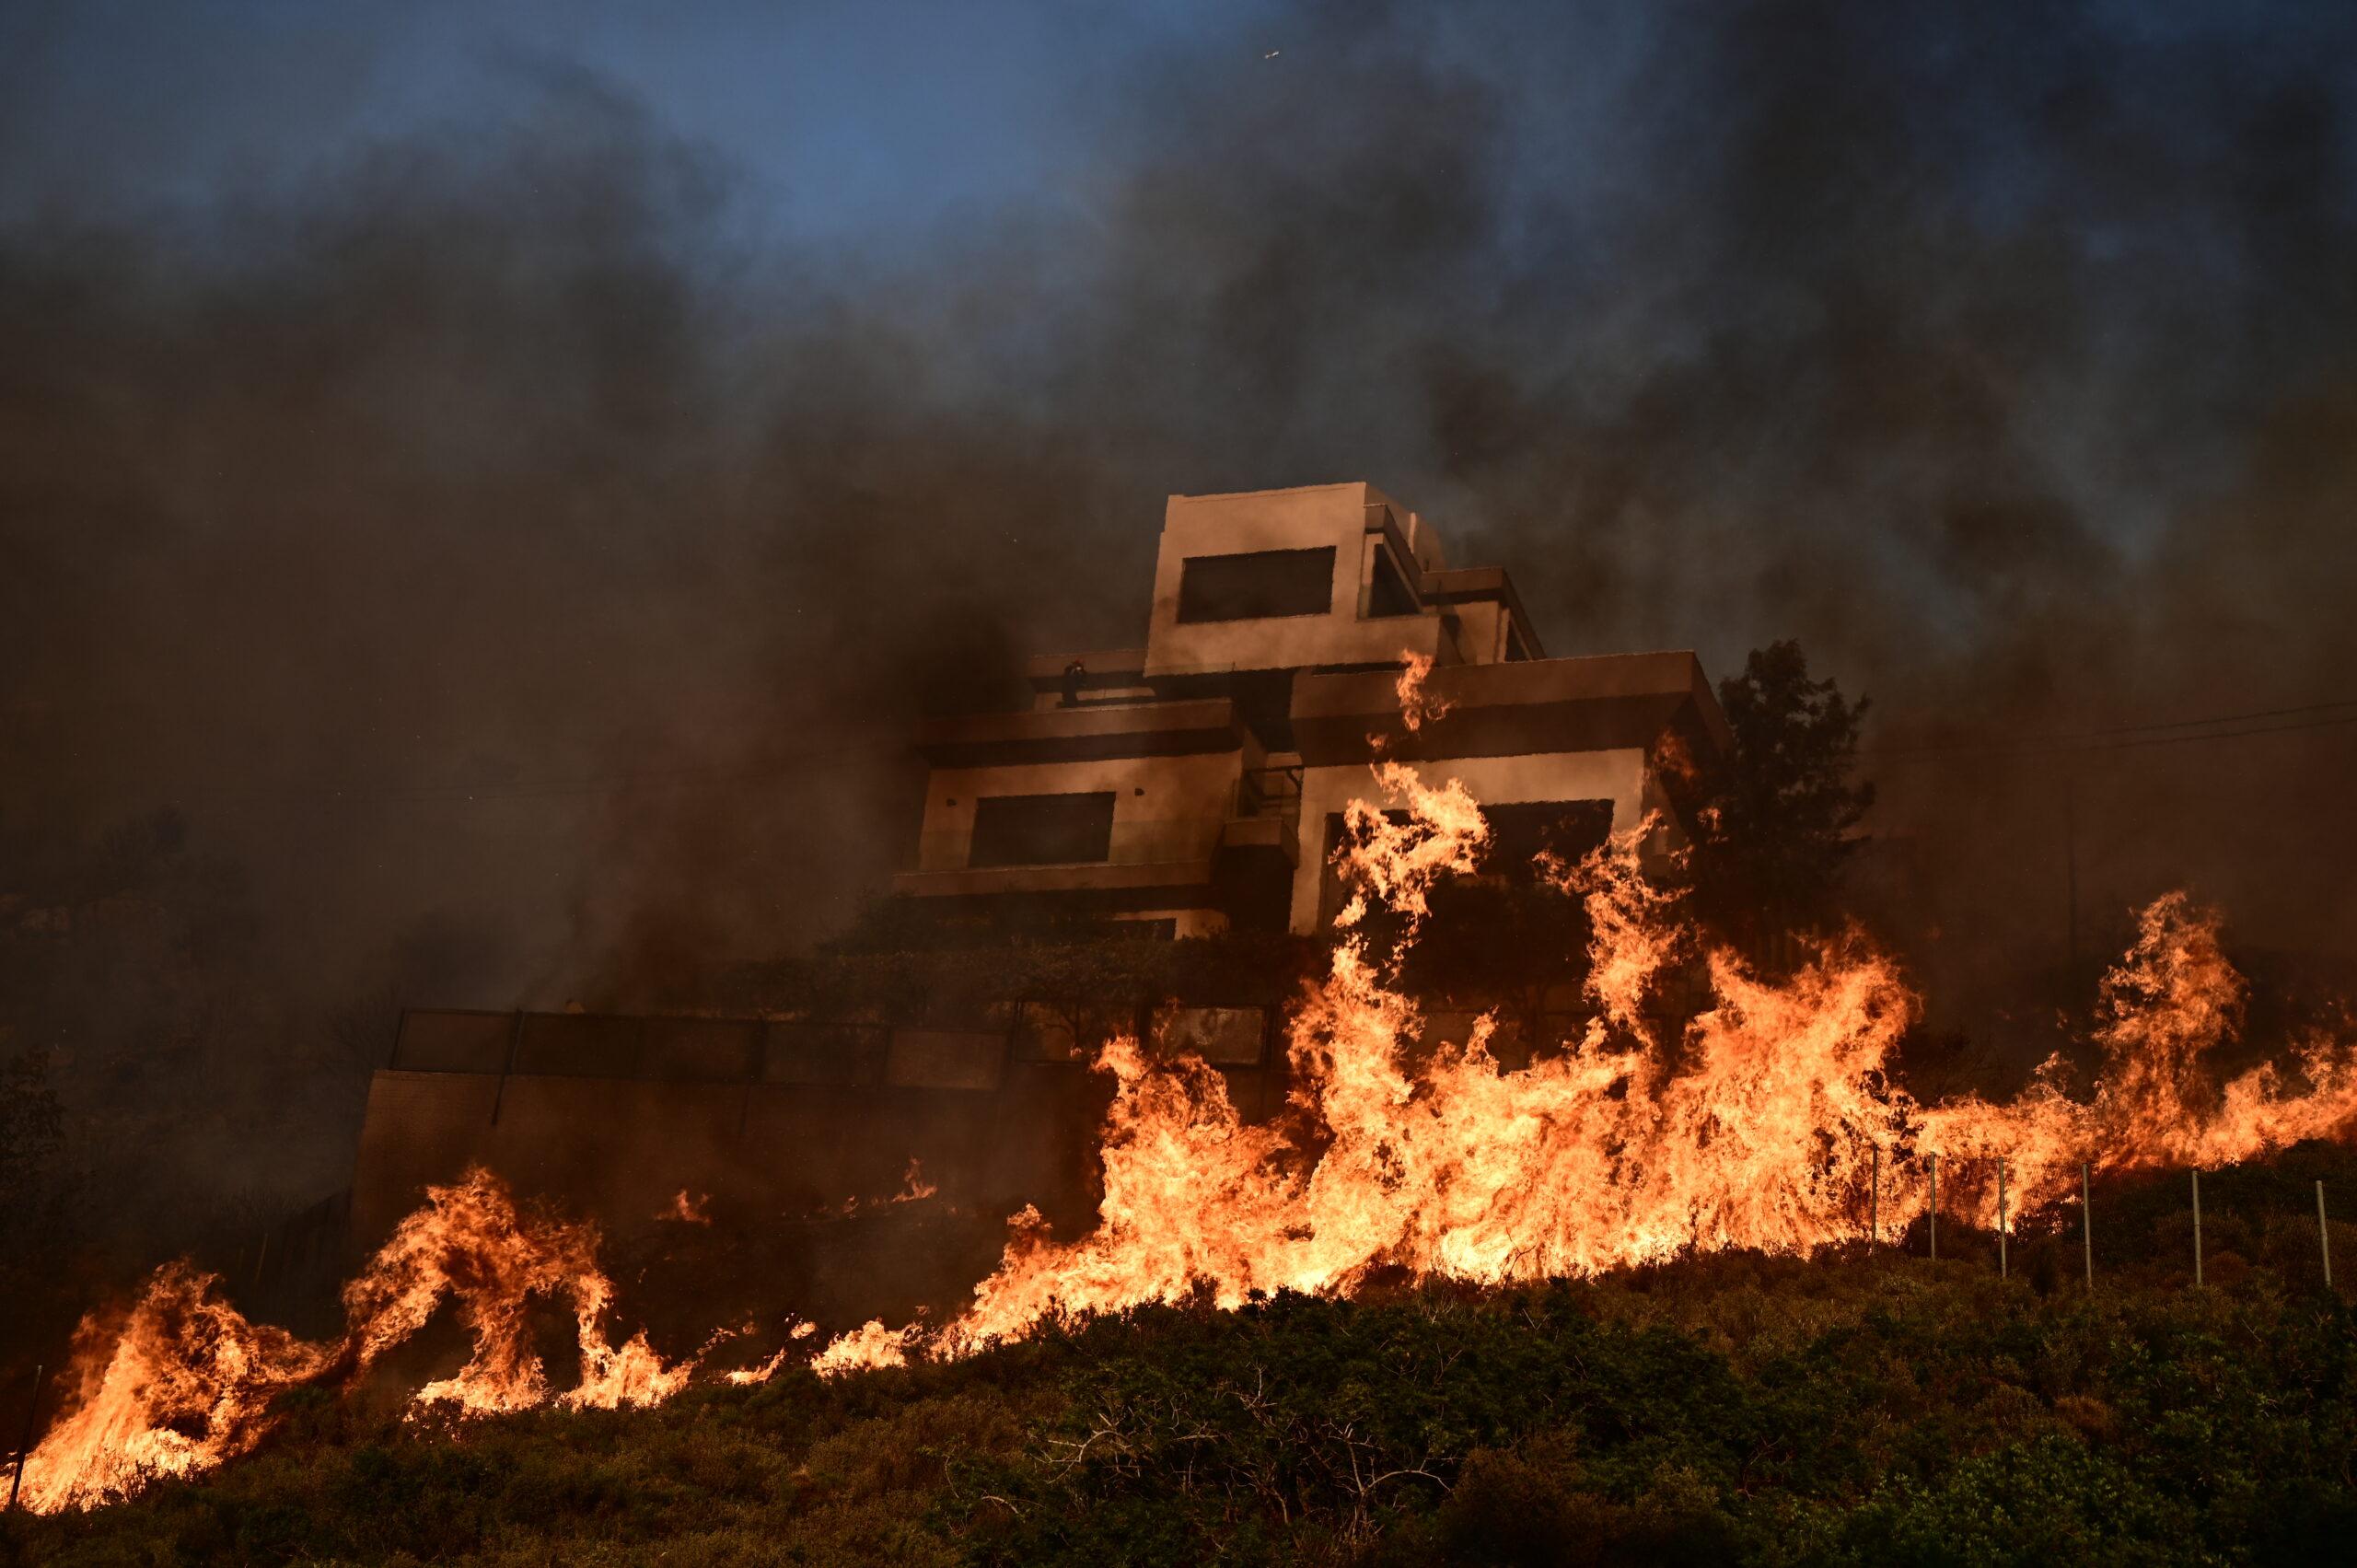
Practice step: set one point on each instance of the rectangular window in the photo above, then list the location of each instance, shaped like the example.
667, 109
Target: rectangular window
1042, 830
1565, 829
1256, 586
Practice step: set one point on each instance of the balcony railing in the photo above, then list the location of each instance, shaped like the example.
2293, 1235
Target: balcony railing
1270, 792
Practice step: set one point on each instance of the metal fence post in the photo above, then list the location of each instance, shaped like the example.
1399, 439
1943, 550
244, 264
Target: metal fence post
2197, 1224
1932, 1214
2324, 1236
33, 1417
2087, 1221
2004, 1269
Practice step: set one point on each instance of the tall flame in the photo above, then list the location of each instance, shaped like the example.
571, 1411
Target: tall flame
185, 1382
1759, 1123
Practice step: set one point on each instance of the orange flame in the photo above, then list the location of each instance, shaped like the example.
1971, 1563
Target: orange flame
186, 1382
1397, 863
1758, 1126
1418, 707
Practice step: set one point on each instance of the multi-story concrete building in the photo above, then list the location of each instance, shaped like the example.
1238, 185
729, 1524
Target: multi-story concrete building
1194, 782
1199, 781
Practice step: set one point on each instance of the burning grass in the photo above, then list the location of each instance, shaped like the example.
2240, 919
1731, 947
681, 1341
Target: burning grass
1736, 1407
1771, 1122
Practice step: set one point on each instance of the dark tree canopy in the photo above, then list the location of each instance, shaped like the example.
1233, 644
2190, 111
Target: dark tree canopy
1774, 830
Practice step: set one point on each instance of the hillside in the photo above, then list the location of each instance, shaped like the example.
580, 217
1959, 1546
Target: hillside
1845, 1409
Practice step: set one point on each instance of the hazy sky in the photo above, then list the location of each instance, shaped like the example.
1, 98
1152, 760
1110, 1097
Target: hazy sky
429, 432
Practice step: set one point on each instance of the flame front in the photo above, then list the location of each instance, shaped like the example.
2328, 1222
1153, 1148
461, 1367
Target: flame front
186, 1382
1760, 1125
1757, 1124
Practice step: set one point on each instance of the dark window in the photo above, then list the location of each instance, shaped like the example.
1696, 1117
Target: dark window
1042, 830
1256, 586
1388, 594
1331, 893
1515, 649
1565, 829
1518, 831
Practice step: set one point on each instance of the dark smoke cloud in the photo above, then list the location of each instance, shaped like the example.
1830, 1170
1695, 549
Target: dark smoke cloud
527, 570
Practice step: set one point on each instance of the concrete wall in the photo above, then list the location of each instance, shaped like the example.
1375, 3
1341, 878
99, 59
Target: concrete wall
1619, 776
1481, 631
992, 1129
800, 1174
1165, 808
1316, 516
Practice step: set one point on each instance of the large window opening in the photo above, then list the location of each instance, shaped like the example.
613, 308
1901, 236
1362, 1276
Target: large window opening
1519, 833
1042, 830
1255, 586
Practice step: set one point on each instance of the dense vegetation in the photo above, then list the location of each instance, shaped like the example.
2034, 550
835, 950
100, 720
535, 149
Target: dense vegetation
1848, 1408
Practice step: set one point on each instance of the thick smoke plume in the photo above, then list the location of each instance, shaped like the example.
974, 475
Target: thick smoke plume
517, 568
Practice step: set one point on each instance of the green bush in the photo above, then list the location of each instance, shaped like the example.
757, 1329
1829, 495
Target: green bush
1727, 1408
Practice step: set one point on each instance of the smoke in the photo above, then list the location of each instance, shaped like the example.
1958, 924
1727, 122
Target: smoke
525, 565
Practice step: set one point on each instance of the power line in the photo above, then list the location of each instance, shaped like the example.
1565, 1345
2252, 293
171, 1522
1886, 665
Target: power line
2229, 719
2133, 736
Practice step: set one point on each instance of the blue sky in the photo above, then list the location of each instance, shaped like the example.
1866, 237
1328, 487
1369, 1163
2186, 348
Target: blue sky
850, 119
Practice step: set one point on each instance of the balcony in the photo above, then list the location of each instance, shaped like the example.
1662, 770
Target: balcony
1064, 734
1270, 792
1138, 855
1168, 854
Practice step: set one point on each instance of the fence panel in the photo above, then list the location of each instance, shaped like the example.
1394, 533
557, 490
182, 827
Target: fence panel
798, 1053
578, 1045
945, 1059
453, 1042
699, 1049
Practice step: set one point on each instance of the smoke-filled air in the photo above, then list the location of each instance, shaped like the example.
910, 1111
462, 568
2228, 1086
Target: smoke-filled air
1772, 1122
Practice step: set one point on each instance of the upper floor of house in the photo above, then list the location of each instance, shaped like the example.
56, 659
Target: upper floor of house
1334, 578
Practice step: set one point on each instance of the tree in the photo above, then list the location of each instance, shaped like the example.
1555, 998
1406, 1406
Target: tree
1773, 829
35, 1220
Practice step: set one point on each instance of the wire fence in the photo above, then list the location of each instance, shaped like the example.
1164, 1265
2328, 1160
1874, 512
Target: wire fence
2004, 1229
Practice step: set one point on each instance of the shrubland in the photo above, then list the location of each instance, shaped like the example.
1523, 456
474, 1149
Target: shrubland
1861, 1406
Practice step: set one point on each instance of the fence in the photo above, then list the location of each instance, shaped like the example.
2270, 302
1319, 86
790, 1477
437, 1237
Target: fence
811, 1052
972, 1056
2004, 1225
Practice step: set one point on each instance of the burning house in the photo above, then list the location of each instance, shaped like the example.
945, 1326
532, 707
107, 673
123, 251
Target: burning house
1195, 786
1296, 635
